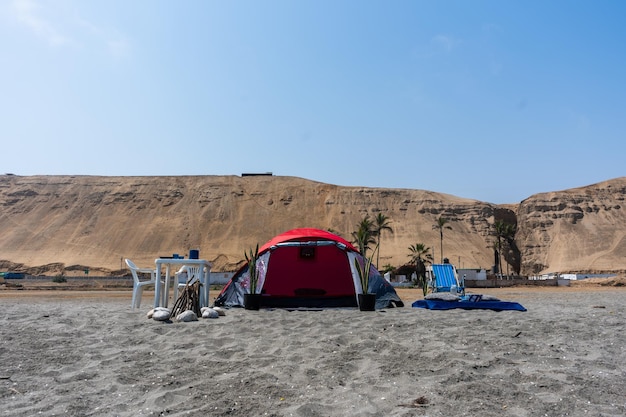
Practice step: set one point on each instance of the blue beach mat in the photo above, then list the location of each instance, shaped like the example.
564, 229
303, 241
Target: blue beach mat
468, 305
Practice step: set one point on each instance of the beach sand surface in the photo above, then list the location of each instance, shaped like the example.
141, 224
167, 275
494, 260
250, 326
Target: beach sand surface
75, 353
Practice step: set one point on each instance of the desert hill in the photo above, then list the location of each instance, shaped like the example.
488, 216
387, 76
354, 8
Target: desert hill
581, 229
60, 224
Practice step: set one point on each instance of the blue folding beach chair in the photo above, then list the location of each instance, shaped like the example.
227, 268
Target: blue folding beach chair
445, 279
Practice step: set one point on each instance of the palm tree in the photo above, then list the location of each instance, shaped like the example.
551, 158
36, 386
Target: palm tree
381, 223
504, 231
441, 224
364, 235
496, 255
420, 254
512, 249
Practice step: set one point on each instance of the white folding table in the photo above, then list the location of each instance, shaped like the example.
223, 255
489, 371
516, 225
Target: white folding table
160, 300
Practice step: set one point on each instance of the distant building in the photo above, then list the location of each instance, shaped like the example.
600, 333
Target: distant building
253, 174
475, 274
571, 277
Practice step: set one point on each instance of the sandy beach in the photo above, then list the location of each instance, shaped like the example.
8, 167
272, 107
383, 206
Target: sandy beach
86, 353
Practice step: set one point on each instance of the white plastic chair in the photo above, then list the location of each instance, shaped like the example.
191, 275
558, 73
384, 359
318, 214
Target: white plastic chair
186, 275
180, 280
139, 284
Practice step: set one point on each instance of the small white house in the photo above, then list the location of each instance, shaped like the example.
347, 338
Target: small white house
472, 274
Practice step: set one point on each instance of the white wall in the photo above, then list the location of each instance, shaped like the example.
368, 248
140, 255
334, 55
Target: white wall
473, 274
221, 277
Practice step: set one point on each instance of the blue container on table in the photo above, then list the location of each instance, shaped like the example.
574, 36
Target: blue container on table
194, 254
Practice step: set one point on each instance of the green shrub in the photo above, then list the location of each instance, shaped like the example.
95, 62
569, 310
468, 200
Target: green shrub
59, 278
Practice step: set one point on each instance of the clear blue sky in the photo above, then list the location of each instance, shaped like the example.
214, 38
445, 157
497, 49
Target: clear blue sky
490, 100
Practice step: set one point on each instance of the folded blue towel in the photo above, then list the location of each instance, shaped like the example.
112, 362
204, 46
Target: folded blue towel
468, 305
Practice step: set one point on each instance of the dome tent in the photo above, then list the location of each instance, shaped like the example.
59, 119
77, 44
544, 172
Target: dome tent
309, 268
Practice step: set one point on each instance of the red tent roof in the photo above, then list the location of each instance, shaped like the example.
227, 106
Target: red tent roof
304, 235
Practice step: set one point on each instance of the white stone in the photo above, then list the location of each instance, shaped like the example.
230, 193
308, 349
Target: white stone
210, 314
187, 316
161, 315
151, 312
220, 311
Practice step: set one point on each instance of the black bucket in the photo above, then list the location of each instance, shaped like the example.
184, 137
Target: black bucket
194, 254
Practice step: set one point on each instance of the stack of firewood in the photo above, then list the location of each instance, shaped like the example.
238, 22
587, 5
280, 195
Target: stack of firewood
189, 299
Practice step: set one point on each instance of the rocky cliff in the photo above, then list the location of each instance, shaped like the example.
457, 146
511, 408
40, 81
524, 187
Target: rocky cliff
59, 224
581, 229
